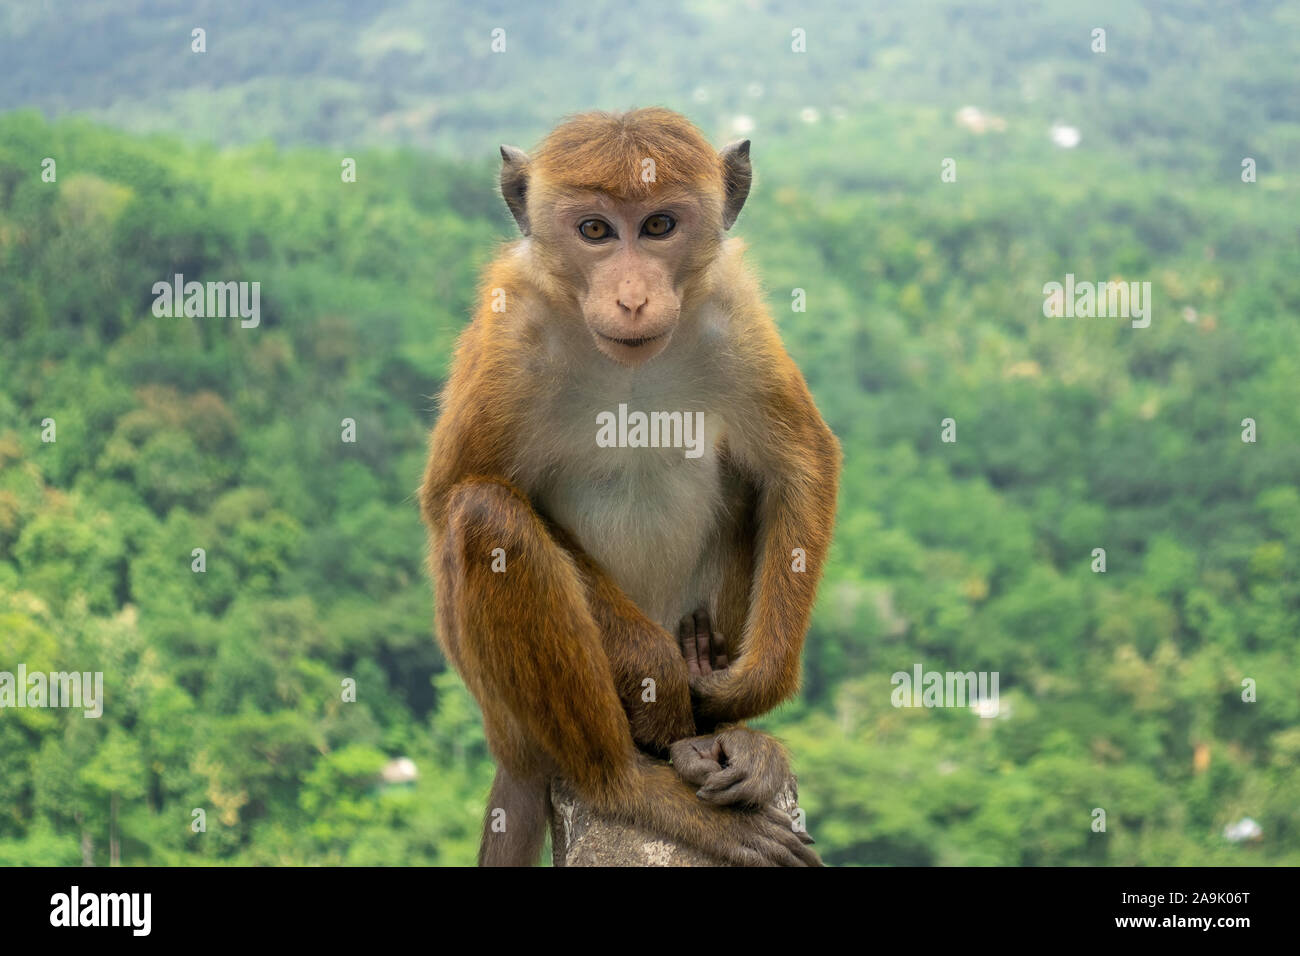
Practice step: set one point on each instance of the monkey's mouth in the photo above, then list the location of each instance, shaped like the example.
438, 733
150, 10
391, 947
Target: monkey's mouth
632, 343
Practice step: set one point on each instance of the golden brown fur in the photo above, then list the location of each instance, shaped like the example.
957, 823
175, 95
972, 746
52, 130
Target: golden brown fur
606, 152
606, 548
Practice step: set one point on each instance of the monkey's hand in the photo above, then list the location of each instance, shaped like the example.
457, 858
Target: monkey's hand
707, 667
704, 650
734, 766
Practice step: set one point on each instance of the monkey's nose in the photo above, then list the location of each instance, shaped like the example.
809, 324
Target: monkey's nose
632, 301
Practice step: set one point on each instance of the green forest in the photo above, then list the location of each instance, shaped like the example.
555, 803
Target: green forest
1164, 690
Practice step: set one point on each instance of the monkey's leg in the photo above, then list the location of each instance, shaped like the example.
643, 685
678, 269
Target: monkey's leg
514, 826
531, 643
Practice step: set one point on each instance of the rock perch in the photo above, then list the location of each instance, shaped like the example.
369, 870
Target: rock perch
582, 837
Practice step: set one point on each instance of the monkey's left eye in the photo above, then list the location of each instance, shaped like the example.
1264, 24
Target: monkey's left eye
659, 225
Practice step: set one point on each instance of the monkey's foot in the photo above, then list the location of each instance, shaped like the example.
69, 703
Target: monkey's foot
580, 836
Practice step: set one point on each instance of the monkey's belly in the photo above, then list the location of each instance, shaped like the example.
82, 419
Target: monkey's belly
652, 520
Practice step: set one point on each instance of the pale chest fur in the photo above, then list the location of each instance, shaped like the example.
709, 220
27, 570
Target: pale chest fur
648, 515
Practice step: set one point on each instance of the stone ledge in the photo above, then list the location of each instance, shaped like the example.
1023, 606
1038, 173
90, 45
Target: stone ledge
582, 837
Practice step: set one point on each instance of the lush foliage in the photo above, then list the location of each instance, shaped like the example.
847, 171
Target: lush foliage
1120, 690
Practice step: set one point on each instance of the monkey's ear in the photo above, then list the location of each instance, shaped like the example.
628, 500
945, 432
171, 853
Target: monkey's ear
736, 177
514, 184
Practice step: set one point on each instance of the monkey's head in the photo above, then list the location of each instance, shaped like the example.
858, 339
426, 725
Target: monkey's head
625, 212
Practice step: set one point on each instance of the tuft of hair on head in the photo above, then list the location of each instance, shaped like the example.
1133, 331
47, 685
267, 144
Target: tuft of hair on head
607, 151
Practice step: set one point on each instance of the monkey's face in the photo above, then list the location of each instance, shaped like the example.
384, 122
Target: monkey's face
629, 261
626, 250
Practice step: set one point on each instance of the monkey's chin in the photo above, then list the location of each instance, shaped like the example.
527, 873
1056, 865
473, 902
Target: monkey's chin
632, 352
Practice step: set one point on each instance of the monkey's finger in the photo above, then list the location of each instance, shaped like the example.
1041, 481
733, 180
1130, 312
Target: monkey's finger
810, 856
749, 790
787, 821
785, 848
686, 637
694, 759
781, 856
807, 856
724, 778
702, 638
694, 773
685, 747
712, 752
781, 818
739, 795
738, 751
799, 846
717, 651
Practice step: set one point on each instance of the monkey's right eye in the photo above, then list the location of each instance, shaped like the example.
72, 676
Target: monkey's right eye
595, 229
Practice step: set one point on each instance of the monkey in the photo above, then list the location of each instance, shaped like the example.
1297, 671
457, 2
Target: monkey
568, 576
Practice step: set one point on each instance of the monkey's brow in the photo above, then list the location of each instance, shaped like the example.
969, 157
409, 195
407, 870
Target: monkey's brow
596, 199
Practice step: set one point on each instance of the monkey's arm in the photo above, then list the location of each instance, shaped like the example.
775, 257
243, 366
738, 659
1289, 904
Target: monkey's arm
530, 649
795, 462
